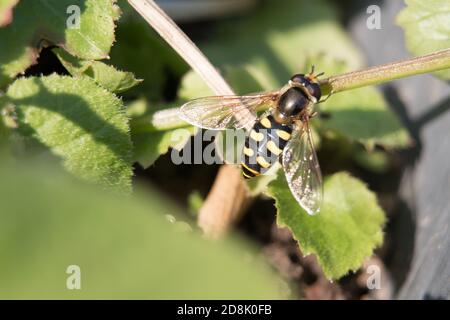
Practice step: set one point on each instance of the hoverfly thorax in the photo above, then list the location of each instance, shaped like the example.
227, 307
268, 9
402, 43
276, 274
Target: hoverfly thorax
297, 98
310, 83
292, 102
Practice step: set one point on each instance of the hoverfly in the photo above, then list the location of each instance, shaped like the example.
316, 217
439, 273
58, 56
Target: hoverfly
281, 134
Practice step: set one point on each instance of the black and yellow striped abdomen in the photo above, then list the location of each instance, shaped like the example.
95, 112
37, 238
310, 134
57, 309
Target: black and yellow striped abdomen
263, 146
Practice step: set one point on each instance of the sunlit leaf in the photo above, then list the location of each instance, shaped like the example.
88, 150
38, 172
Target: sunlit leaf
427, 27
39, 23
149, 145
192, 86
105, 75
345, 231
376, 161
363, 115
79, 122
150, 142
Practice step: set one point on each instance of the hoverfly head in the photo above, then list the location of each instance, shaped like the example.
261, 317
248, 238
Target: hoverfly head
310, 82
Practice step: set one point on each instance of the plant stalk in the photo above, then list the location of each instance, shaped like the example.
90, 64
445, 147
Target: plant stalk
387, 72
221, 208
347, 81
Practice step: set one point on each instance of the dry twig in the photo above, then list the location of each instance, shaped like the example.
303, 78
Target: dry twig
229, 194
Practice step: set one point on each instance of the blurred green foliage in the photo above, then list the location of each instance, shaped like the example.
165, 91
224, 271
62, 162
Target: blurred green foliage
6, 7
125, 247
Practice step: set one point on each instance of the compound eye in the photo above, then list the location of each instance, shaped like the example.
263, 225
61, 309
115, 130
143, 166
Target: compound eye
314, 90
299, 78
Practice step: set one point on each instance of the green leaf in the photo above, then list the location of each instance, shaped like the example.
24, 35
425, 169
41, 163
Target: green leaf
149, 145
195, 202
363, 115
110, 78
346, 230
137, 108
244, 78
76, 67
427, 27
105, 75
192, 86
376, 161
3, 122
79, 122
41, 21
6, 11
279, 38
141, 51
149, 141
124, 246
259, 184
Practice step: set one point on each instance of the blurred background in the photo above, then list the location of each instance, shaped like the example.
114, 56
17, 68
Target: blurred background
148, 246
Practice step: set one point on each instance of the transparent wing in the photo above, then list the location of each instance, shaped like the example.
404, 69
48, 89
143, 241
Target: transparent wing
226, 112
302, 169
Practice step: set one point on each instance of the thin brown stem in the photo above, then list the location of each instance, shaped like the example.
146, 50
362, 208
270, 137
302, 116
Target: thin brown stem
221, 208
